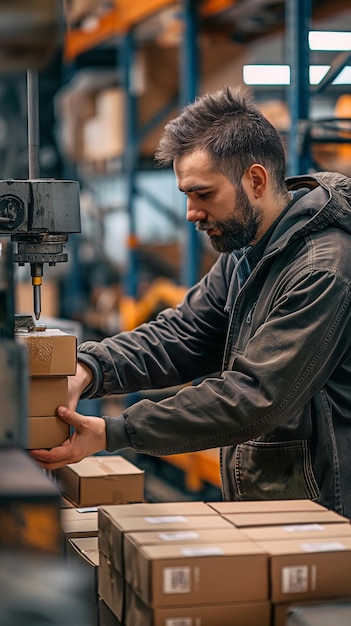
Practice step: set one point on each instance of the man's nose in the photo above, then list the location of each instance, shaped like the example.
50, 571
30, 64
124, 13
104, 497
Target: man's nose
193, 212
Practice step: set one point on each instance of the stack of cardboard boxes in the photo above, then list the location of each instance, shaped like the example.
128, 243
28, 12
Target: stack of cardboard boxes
52, 357
216, 564
94, 481
181, 563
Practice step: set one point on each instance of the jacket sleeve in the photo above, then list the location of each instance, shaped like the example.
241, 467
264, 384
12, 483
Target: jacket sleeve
181, 345
287, 360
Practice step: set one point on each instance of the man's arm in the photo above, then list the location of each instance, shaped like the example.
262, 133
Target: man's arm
183, 344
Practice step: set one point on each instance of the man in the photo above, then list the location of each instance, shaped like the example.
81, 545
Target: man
267, 330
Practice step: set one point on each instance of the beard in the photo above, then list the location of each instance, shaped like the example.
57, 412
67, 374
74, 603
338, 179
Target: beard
237, 231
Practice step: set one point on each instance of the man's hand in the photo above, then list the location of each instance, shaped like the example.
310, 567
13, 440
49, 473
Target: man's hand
77, 384
88, 438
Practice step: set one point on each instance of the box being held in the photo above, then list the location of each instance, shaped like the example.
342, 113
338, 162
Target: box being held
51, 352
46, 394
46, 432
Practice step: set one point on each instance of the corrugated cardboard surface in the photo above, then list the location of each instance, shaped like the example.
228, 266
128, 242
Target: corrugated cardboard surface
180, 537
50, 353
106, 617
76, 523
199, 574
45, 394
99, 480
266, 506
309, 569
111, 587
74, 514
243, 614
46, 432
158, 509
297, 531
113, 528
85, 552
242, 520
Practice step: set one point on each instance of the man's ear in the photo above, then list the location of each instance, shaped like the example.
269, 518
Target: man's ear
255, 181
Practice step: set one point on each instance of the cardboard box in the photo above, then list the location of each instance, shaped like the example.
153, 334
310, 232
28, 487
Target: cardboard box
245, 614
111, 587
309, 569
181, 537
46, 432
79, 523
296, 531
66, 503
175, 575
100, 480
103, 134
50, 353
84, 553
265, 506
242, 520
133, 541
45, 394
106, 617
113, 528
160, 509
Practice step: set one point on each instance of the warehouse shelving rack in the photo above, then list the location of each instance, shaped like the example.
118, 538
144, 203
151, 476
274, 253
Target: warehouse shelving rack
300, 93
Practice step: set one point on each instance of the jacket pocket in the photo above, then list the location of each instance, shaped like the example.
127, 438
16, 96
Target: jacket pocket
274, 471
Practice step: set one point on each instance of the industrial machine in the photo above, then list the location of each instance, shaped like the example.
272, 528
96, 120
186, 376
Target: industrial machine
36, 217
37, 213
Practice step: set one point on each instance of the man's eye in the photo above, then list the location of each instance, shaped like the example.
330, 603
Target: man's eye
203, 196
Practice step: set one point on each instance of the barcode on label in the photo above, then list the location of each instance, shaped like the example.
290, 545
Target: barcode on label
176, 580
295, 579
179, 621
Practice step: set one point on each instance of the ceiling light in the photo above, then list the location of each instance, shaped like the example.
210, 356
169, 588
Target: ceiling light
266, 74
280, 75
329, 40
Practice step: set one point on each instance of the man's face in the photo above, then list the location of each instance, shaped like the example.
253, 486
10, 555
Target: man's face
216, 206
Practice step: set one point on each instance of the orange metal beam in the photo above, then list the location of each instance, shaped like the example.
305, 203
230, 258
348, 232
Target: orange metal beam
80, 40
124, 16
198, 467
135, 12
210, 8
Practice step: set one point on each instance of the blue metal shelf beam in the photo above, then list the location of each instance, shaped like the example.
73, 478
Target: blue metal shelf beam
188, 85
298, 18
189, 72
